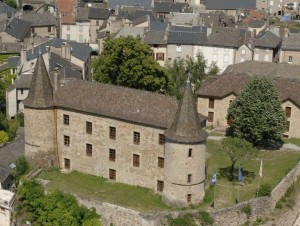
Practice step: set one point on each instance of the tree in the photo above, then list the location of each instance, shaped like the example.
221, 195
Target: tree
181, 68
12, 3
126, 61
213, 69
3, 137
236, 149
256, 114
22, 167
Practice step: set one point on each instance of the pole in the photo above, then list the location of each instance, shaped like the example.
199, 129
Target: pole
215, 195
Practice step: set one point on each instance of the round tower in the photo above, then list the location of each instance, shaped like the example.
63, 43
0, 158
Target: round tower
40, 120
185, 155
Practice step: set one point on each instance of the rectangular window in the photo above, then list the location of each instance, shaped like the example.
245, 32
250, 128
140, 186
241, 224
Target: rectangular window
267, 58
80, 28
66, 119
160, 56
290, 60
256, 56
189, 198
161, 139
178, 48
215, 57
211, 103
89, 149
287, 128
68, 27
288, 112
190, 152
68, 37
67, 163
136, 160
160, 185
210, 117
112, 174
136, 137
226, 58
161, 162
80, 38
189, 178
97, 22
22, 91
112, 155
32, 30
66, 140
49, 28
243, 52
112, 132
89, 127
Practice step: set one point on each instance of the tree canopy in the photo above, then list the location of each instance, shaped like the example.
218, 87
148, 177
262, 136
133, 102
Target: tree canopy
256, 114
127, 61
237, 148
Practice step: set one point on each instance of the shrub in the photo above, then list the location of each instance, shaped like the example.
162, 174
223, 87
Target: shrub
3, 137
182, 220
265, 190
205, 218
20, 118
247, 210
22, 167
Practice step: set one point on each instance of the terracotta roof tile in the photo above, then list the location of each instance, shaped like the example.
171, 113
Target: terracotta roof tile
66, 9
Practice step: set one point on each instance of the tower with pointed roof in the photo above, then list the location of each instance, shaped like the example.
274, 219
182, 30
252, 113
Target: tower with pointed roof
185, 155
40, 119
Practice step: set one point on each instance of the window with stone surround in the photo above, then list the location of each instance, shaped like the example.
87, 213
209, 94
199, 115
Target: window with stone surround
112, 132
89, 149
210, 117
112, 155
211, 103
160, 185
67, 163
189, 178
161, 162
136, 160
161, 139
66, 140
66, 119
189, 198
288, 112
136, 137
89, 128
112, 174
190, 152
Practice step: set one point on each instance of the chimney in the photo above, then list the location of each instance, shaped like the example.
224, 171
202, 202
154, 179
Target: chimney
286, 32
23, 55
66, 51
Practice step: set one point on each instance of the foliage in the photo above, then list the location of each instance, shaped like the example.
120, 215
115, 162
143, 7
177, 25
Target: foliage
20, 118
127, 61
292, 140
264, 190
181, 68
12, 3
236, 148
22, 167
213, 69
54, 208
9, 126
205, 218
287, 199
182, 220
247, 210
3, 137
5, 82
256, 114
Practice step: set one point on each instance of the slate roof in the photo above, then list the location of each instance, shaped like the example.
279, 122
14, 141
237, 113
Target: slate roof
99, 13
155, 37
5, 9
157, 26
145, 4
267, 40
133, 14
179, 28
256, 23
131, 31
17, 28
185, 18
168, 7
269, 69
230, 4
12, 62
185, 127
82, 14
291, 43
126, 104
37, 19
187, 38
233, 83
41, 89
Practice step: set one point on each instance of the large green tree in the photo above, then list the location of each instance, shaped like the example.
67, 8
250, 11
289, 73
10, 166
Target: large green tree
256, 114
127, 61
237, 148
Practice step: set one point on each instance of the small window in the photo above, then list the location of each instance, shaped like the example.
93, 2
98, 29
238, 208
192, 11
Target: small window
66, 140
287, 128
112, 132
68, 37
49, 28
67, 163
210, 117
81, 28
243, 52
160, 56
189, 198
136, 137
97, 22
32, 30
80, 38
160, 185
288, 112
190, 152
68, 27
178, 48
189, 178
136, 160
161, 139
290, 59
89, 149
161, 162
22, 91
226, 58
112, 155
66, 119
211, 103
112, 174
89, 128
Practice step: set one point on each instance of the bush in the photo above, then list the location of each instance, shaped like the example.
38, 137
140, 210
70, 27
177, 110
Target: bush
247, 210
22, 168
13, 126
3, 137
205, 217
265, 190
182, 220
20, 118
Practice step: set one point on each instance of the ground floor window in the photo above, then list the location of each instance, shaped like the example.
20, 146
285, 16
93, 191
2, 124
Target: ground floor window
112, 174
67, 163
160, 185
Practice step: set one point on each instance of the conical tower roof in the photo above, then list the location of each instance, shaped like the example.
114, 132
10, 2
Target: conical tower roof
41, 89
186, 124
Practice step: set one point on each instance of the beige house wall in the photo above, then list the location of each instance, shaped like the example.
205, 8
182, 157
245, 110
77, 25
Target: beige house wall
93, 29
160, 49
284, 57
294, 130
43, 31
7, 38
98, 164
242, 54
261, 54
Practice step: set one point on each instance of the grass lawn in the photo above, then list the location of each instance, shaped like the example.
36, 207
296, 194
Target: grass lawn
276, 164
292, 140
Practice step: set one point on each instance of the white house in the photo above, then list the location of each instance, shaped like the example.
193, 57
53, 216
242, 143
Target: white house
7, 199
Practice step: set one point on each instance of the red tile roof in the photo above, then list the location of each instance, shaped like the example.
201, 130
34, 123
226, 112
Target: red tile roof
66, 10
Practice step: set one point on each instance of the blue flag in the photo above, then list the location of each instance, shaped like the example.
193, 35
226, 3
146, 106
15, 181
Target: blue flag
214, 179
240, 175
